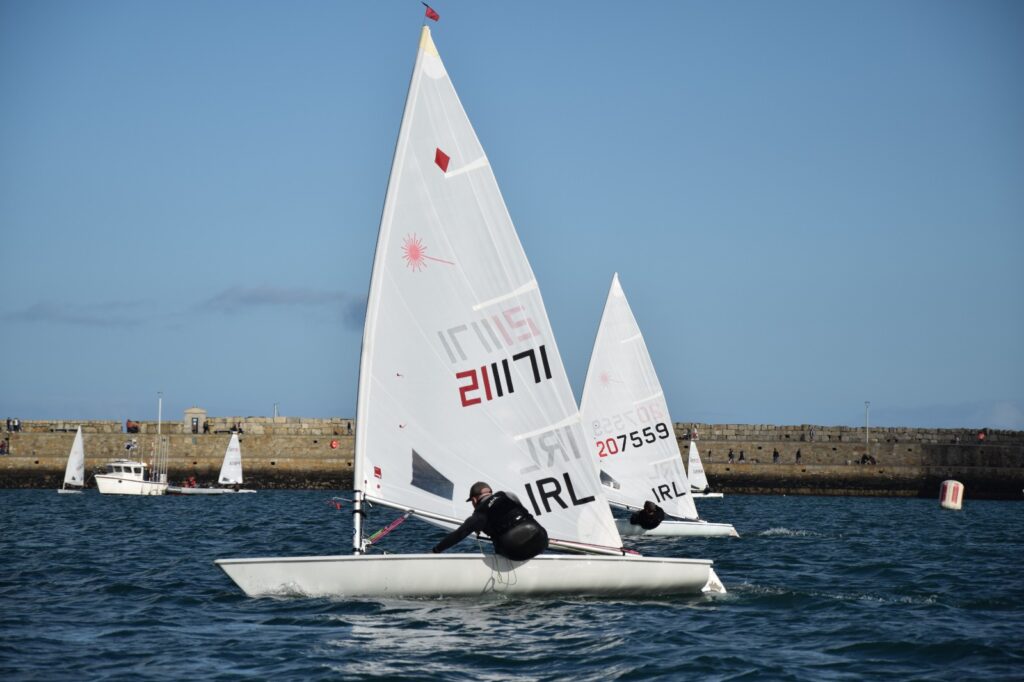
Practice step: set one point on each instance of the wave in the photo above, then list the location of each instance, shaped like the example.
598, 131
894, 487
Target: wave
780, 532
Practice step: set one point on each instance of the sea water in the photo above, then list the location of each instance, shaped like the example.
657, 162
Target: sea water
820, 588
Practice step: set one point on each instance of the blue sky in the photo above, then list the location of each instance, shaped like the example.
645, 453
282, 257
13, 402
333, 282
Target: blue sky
810, 204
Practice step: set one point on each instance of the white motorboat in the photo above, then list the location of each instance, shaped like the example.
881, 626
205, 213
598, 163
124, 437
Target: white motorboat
461, 380
131, 477
74, 473
230, 475
631, 432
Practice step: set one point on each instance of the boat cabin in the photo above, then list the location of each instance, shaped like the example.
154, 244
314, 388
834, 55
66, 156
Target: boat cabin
124, 468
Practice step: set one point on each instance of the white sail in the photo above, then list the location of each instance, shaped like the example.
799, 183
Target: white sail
231, 469
627, 418
698, 480
74, 474
460, 377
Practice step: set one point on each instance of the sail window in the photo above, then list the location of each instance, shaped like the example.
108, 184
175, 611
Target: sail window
426, 477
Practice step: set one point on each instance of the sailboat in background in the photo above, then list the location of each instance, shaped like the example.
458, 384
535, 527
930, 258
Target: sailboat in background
461, 380
74, 474
230, 474
699, 485
631, 433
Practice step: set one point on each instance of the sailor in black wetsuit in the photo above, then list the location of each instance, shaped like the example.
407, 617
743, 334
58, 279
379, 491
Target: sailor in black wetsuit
516, 534
648, 518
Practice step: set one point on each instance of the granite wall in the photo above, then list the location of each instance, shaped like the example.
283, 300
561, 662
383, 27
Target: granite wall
292, 452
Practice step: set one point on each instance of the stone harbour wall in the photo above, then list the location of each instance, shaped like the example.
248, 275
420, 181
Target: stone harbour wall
293, 452
818, 460
311, 457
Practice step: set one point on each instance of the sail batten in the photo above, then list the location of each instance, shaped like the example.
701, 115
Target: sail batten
482, 162
568, 421
526, 288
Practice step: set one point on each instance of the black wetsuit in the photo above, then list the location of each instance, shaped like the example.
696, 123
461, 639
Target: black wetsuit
648, 520
516, 534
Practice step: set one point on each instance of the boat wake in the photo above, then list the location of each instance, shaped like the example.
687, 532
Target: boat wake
787, 533
751, 590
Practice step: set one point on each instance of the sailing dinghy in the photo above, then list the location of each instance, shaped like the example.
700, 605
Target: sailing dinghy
461, 380
631, 433
230, 474
699, 485
74, 474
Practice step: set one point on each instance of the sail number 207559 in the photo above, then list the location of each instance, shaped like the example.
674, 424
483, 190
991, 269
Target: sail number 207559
495, 379
635, 439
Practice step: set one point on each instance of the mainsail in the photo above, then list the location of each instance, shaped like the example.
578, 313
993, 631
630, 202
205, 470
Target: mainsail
231, 469
625, 414
74, 474
460, 377
698, 479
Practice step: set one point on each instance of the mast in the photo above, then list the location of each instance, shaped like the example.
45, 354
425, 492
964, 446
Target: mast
159, 464
358, 474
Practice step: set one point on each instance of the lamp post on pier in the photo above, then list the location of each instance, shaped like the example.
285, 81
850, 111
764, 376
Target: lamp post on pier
867, 427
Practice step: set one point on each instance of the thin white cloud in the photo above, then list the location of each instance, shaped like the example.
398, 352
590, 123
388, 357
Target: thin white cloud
119, 314
235, 300
346, 308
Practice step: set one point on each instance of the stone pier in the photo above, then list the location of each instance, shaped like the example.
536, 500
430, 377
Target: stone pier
293, 452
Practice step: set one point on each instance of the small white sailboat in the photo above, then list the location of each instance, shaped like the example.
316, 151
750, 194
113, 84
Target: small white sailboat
230, 474
460, 380
131, 477
74, 474
699, 485
631, 432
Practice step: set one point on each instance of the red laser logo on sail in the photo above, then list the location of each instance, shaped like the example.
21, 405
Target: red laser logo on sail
415, 253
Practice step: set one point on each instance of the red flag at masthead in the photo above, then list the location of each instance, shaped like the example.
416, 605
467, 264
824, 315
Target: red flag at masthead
431, 14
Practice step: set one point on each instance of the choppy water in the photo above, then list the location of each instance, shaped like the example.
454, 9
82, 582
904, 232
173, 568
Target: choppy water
821, 588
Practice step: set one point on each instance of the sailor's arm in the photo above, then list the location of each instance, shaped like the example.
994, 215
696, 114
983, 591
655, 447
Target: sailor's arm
474, 523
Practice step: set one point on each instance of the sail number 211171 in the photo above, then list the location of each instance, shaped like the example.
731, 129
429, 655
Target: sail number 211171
495, 379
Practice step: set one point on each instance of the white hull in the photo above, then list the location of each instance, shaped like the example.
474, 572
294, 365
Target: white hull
176, 490
469, 575
111, 484
672, 529
709, 496
69, 491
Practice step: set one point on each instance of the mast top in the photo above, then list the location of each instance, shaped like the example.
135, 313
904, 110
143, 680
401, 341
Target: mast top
427, 43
